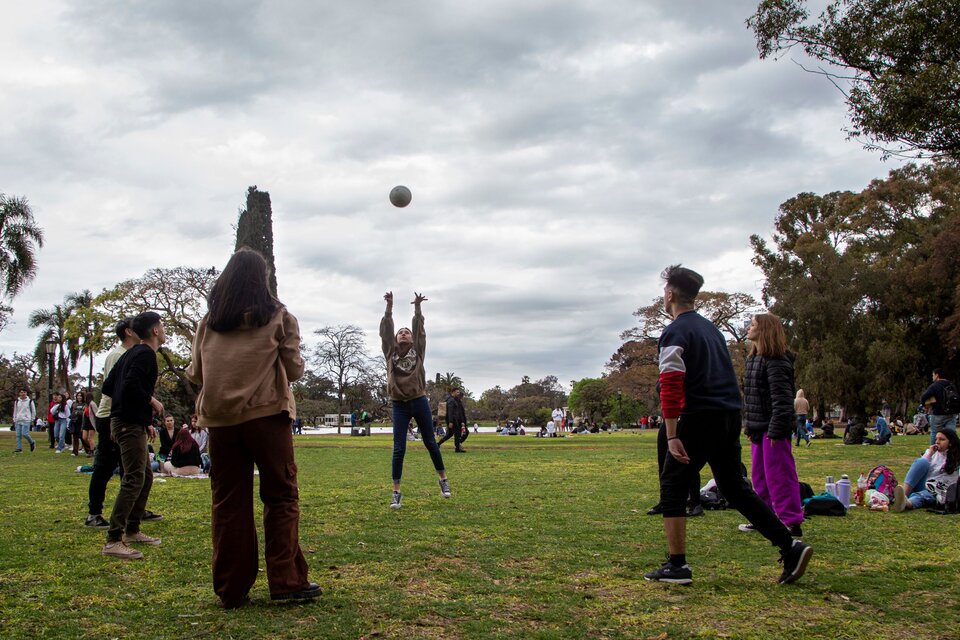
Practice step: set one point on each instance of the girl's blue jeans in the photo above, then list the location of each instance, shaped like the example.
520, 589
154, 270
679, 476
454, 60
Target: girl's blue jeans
418, 409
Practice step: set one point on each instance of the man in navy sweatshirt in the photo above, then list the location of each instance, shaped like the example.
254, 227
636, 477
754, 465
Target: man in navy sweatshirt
700, 400
130, 385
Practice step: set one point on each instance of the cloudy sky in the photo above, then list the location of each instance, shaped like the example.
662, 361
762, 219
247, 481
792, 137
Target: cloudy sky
560, 154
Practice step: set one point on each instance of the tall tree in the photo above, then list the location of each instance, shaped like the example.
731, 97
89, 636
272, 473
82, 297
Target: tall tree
255, 229
896, 61
20, 237
590, 396
86, 330
342, 358
179, 295
53, 322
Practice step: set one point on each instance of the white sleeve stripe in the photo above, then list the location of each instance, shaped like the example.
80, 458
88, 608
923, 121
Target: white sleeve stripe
671, 359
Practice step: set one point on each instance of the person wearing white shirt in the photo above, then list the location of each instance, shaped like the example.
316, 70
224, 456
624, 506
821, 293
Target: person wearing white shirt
24, 413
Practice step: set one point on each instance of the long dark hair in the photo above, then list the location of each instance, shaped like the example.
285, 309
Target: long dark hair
183, 442
242, 288
953, 451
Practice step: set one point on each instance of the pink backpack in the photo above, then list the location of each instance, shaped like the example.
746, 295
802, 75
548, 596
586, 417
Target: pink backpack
882, 479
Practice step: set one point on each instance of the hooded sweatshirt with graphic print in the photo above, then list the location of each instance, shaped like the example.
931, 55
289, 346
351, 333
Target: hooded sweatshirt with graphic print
406, 379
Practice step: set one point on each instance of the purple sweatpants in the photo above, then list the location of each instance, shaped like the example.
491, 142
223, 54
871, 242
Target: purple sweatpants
774, 475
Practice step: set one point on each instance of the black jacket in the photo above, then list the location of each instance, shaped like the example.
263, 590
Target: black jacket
130, 385
456, 415
768, 391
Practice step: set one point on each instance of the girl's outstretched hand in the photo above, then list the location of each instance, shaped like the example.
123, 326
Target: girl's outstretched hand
419, 297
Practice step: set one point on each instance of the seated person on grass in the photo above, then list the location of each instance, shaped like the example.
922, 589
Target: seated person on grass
929, 474
184, 456
883, 432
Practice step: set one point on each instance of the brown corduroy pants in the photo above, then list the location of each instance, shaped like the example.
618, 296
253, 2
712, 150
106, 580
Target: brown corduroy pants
234, 450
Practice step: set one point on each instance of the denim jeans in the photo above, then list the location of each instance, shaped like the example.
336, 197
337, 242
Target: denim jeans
23, 431
939, 423
917, 479
802, 428
60, 432
419, 410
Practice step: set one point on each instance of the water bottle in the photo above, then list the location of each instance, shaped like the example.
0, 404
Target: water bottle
843, 490
831, 486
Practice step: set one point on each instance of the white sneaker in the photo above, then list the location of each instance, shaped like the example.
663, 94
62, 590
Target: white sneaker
746, 528
444, 488
395, 500
140, 538
118, 549
899, 499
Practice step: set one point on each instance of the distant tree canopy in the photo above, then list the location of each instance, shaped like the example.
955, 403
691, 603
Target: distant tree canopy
255, 229
868, 285
897, 61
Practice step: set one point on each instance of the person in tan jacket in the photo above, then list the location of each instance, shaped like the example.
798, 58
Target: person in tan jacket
407, 386
245, 354
801, 407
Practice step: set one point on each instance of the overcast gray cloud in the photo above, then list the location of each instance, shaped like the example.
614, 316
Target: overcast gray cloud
560, 154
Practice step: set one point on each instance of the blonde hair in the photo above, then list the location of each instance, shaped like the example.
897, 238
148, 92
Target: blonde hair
771, 340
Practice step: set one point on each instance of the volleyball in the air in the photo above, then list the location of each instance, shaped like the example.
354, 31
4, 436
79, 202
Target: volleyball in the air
400, 196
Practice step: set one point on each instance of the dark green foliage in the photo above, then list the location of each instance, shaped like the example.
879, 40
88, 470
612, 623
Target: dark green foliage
255, 229
867, 284
897, 60
20, 237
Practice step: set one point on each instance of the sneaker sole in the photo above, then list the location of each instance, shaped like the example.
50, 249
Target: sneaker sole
124, 556
96, 526
152, 543
681, 581
801, 566
395, 506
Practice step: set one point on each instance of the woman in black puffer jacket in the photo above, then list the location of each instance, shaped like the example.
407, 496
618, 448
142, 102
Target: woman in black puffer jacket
768, 400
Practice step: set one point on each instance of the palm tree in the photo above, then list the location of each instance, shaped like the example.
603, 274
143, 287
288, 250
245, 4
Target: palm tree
53, 322
449, 381
20, 237
84, 322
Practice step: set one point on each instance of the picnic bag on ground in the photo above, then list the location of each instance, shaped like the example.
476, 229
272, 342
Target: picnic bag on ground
882, 479
823, 504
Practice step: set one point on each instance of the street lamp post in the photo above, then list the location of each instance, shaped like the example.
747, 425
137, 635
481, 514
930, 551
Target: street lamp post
50, 346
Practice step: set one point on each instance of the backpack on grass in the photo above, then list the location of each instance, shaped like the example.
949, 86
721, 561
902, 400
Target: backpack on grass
882, 479
823, 504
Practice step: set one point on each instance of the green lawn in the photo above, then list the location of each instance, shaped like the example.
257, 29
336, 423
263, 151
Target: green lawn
542, 539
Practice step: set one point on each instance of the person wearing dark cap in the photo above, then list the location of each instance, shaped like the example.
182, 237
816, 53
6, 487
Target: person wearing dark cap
700, 398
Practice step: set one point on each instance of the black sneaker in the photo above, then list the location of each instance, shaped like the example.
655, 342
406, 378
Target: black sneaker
311, 592
796, 531
18, 450
395, 500
794, 561
695, 511
655, 510
671, 574
33, 445
96, 522
150, 516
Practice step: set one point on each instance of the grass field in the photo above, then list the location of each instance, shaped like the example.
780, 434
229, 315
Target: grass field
541, 539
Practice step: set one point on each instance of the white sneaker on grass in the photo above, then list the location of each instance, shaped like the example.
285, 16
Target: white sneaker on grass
444, 488
395, 500
118, 549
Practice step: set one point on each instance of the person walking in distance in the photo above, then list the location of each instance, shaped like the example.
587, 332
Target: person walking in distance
130, 385
701, 405
245, 354
24, 413
407, 386
456, 420
801, 407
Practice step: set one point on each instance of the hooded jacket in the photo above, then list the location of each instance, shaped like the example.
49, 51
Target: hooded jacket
246, 373
406, 378
768, 390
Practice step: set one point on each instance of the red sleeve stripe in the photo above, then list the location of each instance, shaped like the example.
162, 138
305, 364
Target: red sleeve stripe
671, 393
